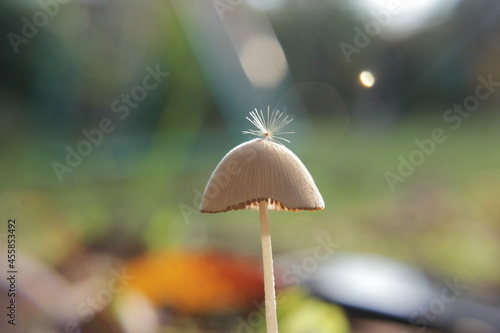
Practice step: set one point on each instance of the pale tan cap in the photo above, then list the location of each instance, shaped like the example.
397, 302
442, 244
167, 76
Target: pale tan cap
261, 170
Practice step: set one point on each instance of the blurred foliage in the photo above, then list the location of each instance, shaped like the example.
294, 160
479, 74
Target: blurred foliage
298, 313
200, 283
447, 209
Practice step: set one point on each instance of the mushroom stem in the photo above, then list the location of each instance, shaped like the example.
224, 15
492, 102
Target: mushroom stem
267, 259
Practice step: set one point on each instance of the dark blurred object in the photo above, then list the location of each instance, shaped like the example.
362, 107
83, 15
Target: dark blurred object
377, 287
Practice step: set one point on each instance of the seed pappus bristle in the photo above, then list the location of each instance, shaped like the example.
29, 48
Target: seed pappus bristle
269, 127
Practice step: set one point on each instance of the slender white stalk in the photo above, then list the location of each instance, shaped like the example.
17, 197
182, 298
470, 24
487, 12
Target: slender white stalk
267, 259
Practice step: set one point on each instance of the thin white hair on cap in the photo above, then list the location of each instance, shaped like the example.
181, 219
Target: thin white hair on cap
269, 127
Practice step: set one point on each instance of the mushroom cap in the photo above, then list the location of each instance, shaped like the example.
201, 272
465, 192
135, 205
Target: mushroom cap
261, 170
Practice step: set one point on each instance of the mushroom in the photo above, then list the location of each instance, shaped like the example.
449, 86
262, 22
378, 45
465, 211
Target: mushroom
262, 174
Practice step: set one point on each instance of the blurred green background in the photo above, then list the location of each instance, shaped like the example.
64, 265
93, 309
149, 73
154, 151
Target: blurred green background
138, 189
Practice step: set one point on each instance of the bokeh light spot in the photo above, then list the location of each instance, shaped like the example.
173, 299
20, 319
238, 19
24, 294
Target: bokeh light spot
367, 79
263, 61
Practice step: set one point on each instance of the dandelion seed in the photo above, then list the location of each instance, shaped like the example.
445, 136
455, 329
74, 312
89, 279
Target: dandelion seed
269, 127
